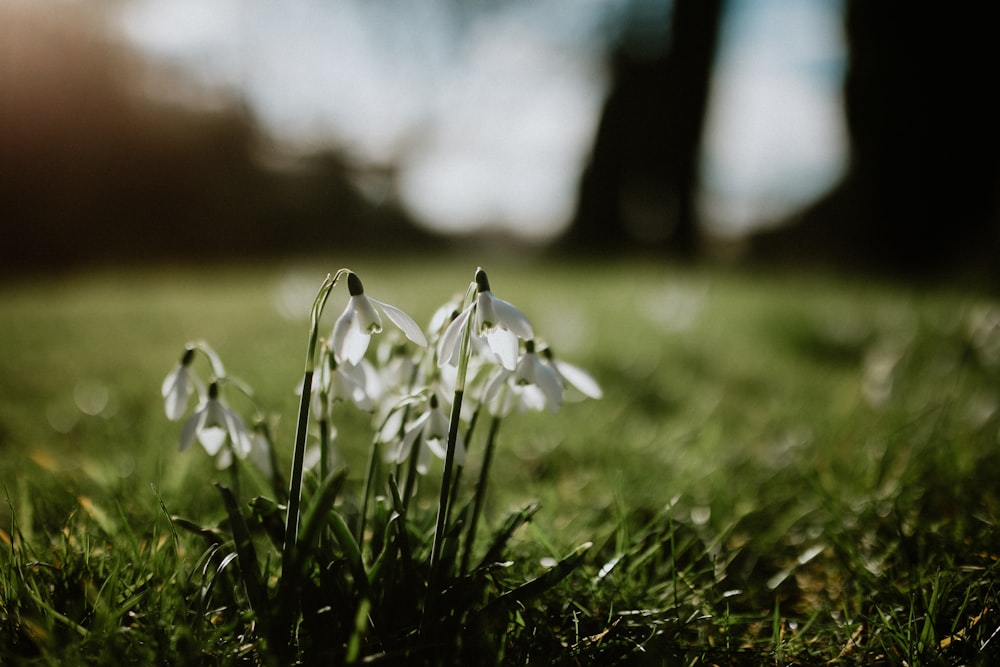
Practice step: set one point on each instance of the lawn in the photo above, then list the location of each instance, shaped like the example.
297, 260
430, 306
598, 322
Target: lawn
783, 469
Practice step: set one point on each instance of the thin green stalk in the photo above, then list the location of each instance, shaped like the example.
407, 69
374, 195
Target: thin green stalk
458, 472
324, 447
234, 473
298, 453
327, 367
449, 460
437, 545
477, 507
369, 484
277, 483
411, 475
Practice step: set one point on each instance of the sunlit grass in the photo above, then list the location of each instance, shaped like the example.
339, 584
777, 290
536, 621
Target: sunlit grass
783, 468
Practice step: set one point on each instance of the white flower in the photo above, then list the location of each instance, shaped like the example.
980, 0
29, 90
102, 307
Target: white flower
492, 318
212, 423
429, 432
353, 329
532, 385
178, 387
346, 382
573, 376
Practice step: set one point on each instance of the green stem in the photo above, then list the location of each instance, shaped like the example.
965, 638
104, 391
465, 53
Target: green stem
234, 471
277, 483
411, 473
288, 581
369, 484
324, 447
298, 463
449, 459
437, 545
477, 507
458, 472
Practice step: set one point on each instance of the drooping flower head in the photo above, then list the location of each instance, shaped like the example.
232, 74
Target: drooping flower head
499, 322
429, 434
353, 329
532, 385
213, 423
344, 382
178, 386
573, 377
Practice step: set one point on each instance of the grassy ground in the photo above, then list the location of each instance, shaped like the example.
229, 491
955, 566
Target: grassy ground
784, 468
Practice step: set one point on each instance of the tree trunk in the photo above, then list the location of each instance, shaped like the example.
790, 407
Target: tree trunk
640, 186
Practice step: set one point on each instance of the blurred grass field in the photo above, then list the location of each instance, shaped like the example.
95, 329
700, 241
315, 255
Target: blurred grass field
787, 419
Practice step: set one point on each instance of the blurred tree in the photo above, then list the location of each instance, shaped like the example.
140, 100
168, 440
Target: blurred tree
921, 191
639, 186
93, 170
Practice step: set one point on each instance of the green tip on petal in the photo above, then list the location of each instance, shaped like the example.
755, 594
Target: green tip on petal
482, 282
354, 285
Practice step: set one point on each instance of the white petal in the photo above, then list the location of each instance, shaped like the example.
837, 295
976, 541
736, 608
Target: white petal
486, 316
354, 345
238, 434
497, 393
548, 382
413, 431
443, 316
451, 339
349, 340
170, 382
510, 317
530, 397
423, 459
224, 459
503, 343
437, 446
367, 317
212, 438
347, 384
190, 429
578, 378
495, 384
405, 323
390, 427
176, 392
311, 457
212, 428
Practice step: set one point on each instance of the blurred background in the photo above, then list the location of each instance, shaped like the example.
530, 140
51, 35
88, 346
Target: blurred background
836, 132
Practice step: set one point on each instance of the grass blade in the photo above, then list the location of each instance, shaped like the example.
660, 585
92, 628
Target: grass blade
249, 570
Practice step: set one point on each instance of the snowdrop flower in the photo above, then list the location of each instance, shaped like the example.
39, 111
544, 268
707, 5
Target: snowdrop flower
353, 329
212, 423
178, 387
573, 376
429, 432
492, 318
532, 385
346, 382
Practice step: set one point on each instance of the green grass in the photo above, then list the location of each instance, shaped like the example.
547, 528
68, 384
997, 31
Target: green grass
785, 469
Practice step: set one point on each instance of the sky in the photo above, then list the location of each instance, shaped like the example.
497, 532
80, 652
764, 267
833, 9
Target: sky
490, 113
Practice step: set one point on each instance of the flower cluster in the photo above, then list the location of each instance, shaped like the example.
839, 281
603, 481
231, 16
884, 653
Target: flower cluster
218, 428
480, 360
481, 345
